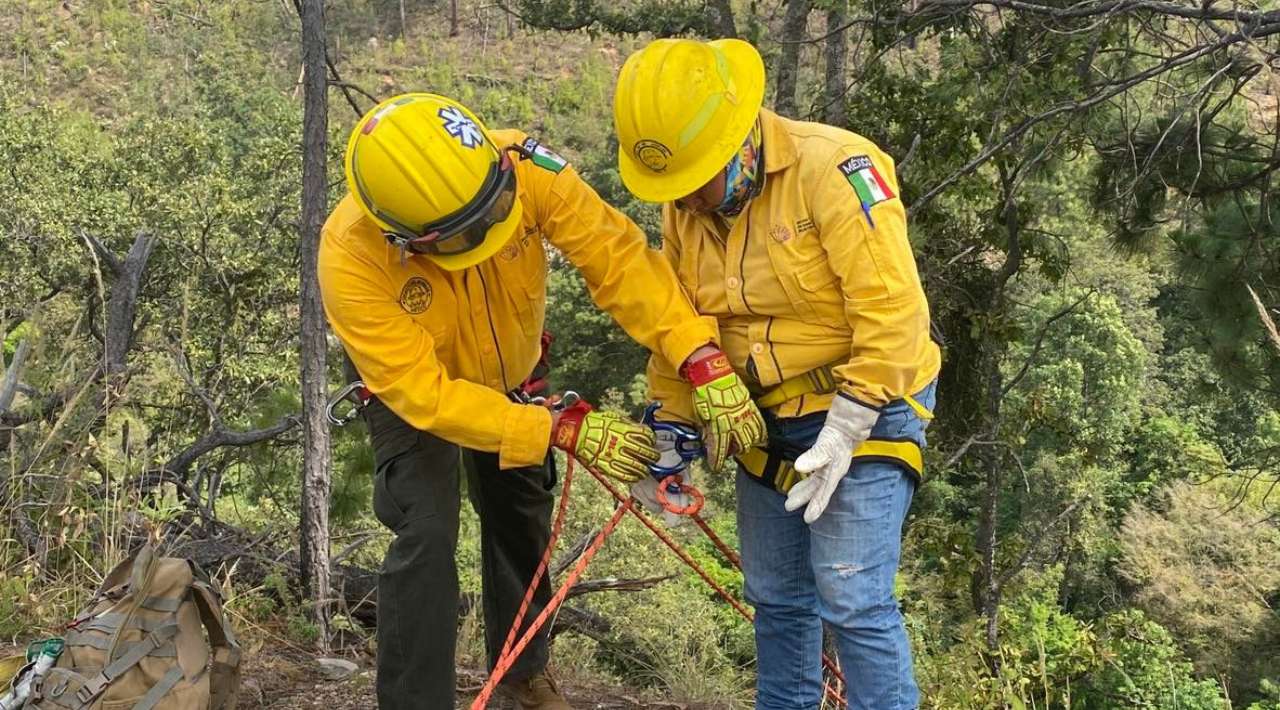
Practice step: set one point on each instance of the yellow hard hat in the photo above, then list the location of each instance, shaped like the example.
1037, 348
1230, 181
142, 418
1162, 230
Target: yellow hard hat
424, 168
682, 109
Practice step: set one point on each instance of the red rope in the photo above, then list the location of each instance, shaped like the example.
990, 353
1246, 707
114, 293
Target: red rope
556, 526
511, 649
509, 655
730, 555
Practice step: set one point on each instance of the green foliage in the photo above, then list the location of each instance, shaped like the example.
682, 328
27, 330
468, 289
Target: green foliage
1128, 370
1141, 667
1196, 558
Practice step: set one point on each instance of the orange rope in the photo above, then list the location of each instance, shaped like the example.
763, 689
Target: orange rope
511, 649
511, 653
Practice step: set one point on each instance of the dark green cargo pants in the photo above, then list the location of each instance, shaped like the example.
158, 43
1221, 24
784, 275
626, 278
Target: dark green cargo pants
417, 495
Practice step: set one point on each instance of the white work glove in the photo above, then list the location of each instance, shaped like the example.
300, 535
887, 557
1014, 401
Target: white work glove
646, 490
827, 461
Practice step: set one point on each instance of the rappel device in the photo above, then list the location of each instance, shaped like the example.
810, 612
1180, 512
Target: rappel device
679, 444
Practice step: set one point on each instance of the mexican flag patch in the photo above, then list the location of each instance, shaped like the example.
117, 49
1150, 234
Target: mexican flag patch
544, 157
866, 181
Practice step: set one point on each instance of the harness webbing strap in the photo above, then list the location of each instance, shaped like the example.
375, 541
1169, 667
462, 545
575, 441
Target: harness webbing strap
95, 685
102, 643
160, 689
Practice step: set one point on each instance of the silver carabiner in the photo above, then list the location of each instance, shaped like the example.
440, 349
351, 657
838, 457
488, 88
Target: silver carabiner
349, 394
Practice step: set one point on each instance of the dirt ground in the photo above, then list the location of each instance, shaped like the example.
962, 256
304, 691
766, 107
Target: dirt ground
289, 679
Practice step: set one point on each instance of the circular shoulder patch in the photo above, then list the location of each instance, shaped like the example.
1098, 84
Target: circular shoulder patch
415, 297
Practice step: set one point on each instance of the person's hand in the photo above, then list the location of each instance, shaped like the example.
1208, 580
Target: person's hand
828, 460
609, 443
731, 423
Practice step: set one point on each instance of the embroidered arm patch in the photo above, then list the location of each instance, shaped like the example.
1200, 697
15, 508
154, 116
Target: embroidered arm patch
544, 157
866, 181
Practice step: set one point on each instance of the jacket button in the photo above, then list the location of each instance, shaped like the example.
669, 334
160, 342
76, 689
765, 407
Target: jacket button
757, 348
733, 282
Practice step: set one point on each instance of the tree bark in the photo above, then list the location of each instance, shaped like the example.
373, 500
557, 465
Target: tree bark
314, 548
833, 91
793, 28
9, 384
122, 301
989, 587
722, 18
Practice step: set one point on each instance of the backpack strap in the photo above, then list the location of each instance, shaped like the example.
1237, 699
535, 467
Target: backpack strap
160, 689
224, 675
130, 658
139, 580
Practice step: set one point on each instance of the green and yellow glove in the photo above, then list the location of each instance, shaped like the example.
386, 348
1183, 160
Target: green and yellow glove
611, 444
731, 423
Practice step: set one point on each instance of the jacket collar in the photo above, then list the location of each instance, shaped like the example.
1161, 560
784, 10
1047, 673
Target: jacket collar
779, 148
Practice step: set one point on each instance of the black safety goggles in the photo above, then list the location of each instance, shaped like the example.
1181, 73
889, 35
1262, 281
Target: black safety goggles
465, 229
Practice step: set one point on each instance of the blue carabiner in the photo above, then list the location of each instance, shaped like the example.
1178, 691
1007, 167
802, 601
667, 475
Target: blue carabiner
688, 443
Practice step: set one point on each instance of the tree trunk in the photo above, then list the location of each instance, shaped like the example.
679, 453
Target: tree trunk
314, 548
833, 92
453, 18
404, 26
990, 586
793, 29
722, 18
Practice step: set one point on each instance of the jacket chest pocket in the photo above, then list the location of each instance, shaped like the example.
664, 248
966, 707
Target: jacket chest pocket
817, 285
432, 305
524, 263
807, 278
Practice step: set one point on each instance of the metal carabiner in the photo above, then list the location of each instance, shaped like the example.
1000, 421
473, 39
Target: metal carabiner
354, 394
686, 441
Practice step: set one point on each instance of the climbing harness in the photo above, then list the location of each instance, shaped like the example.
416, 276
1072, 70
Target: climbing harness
516, 642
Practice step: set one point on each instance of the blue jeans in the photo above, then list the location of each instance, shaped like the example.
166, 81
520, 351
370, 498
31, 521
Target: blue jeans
840, 570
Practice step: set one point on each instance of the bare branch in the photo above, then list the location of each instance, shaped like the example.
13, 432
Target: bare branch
616, 585
9, 384
219, 437
1043, 532
573, 553
105, 255
1040, 335
1267, 323
183, 366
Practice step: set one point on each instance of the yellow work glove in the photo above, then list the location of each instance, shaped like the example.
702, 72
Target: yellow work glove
611, 444
731, 423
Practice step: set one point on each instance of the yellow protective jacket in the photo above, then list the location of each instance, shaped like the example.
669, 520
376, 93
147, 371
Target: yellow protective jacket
443, 348
806, 276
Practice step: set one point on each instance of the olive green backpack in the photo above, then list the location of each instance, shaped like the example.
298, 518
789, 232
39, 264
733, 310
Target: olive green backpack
140, 644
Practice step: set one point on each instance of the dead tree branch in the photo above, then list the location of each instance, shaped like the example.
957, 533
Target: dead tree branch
9, 385
220, 437
616, 585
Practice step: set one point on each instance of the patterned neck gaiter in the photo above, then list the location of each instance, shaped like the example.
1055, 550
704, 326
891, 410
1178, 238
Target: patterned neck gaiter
744, 175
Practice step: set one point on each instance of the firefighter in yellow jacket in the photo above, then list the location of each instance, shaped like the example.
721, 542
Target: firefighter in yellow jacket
433, 270
793, 237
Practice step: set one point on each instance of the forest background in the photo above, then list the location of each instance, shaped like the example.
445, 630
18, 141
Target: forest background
1090, 195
